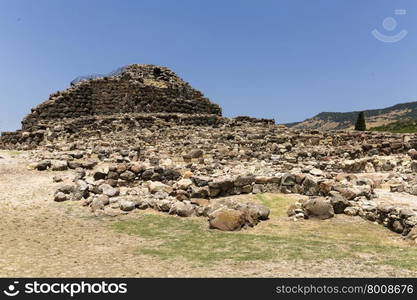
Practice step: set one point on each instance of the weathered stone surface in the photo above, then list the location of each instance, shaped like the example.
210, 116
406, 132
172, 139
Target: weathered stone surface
97, 204
318, 208
103, 96
59, 165
155, 186
397, 226
66, 189
196, 153
339, 204
351, 211
184, 184
43, 165
108, 190
128, 176
182, 209
60, 197
226, 219
127, 205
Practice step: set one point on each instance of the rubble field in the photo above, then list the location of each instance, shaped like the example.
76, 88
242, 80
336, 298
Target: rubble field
141, 155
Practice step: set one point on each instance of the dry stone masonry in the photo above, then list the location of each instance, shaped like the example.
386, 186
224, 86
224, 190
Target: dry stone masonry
142, 138
135, 89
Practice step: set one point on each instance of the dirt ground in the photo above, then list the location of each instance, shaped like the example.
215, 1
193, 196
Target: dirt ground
42, 238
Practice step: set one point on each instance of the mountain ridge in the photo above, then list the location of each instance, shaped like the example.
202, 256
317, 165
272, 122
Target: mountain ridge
346, 120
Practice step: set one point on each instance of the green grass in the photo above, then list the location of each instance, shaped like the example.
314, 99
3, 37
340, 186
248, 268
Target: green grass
406, 126
171, 237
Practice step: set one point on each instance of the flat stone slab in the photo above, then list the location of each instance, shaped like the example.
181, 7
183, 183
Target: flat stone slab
401, 200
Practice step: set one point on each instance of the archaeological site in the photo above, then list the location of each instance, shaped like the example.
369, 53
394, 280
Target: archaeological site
142, 144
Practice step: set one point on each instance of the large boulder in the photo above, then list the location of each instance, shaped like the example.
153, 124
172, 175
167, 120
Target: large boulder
318, 208
227, 219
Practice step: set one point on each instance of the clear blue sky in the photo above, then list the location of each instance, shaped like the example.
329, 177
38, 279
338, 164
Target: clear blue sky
285, 59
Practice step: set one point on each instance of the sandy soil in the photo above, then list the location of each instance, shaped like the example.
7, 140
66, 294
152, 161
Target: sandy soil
41, 238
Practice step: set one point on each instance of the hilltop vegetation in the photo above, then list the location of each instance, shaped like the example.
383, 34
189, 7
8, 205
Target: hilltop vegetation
406, 126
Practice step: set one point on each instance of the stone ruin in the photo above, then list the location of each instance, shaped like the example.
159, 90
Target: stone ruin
136, 89
143, 138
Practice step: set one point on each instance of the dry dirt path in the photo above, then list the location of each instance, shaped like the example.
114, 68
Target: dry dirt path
41, 238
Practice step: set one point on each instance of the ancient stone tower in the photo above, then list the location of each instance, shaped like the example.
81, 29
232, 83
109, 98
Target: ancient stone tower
133, 89
134, 96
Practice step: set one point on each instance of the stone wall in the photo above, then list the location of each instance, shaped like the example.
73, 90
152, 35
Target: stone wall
137, 89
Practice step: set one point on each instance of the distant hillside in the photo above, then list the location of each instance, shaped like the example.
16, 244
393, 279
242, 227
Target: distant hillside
406, 126
346, 120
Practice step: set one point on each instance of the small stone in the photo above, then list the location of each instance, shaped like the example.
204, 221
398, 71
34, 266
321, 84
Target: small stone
60, 197
156, 186
127, 205
108, 190
57, 178
316, 172
142, 204
164, 205
137, 167
183, 184
101, 173
351, 211
397, 226
96, 204
299, 216
196, 153
128, 176
43, 165
182, 209
66, 189
59, 165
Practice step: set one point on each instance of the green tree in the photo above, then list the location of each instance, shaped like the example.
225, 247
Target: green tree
360, 122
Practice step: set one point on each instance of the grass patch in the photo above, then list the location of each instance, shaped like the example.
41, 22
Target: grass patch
343, 237
278, 205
